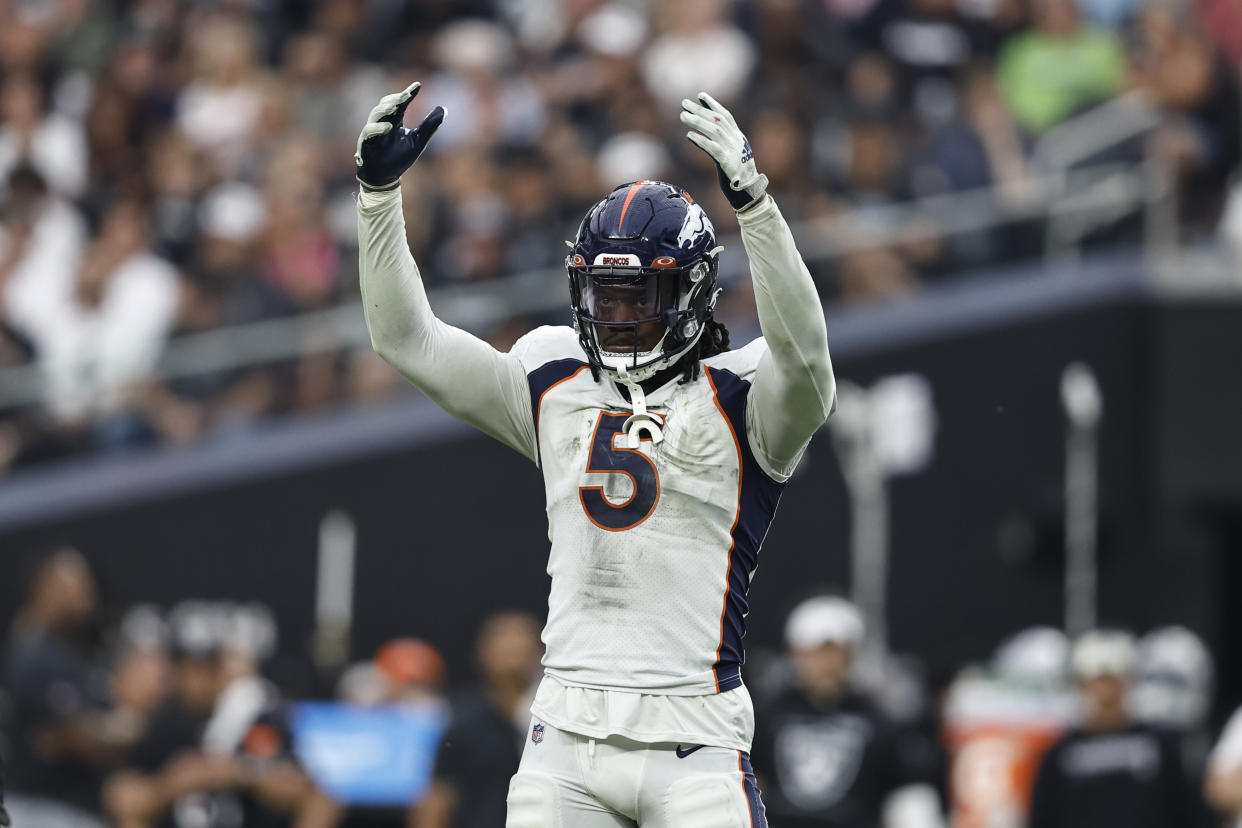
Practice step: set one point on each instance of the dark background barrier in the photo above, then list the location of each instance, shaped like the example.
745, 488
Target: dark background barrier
451, 525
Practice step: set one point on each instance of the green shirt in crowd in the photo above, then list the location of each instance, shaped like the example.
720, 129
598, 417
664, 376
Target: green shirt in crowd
1045, 78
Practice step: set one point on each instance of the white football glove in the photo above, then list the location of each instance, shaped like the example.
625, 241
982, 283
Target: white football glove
715, 132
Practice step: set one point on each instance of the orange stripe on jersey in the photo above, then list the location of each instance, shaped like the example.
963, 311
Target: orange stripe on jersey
626, 206
732, 532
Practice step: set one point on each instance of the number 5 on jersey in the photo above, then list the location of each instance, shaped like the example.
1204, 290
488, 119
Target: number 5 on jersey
608, 458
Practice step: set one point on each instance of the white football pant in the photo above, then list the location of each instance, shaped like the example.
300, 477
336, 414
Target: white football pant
571, 781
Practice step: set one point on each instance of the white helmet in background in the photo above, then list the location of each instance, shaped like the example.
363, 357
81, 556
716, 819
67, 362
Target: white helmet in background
1104, 653
1035, 656
1174, 684
822, 620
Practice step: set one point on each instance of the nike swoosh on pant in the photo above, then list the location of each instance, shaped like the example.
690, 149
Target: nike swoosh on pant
682, 754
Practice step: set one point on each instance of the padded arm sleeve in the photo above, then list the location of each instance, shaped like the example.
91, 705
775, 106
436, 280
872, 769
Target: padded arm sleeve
463, 374
794, 391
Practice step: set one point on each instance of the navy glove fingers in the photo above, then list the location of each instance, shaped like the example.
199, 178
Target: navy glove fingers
428, 127
414, 141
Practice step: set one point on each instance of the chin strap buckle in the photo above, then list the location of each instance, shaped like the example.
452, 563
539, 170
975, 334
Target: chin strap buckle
640, 421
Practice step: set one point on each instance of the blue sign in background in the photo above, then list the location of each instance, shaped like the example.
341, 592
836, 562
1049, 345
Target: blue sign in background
369, 755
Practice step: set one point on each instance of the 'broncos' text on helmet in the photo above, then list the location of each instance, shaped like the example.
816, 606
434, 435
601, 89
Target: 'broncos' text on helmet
642, 279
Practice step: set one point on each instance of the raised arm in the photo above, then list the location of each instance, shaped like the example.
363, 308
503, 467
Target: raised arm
463, 374
794, 391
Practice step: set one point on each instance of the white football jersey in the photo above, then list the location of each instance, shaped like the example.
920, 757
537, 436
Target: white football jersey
654, 548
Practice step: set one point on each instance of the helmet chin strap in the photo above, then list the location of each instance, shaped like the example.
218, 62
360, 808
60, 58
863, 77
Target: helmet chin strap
640, 421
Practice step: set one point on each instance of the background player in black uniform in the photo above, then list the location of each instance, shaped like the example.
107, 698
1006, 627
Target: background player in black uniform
1111, 771
482, 747
826, 756
59, 735
242, 775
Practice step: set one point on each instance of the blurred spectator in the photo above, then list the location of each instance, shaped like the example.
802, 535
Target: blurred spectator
218, 754
824, 754
141, 672
978, 148
301, 261
219, 110
697, 50
120, 118
483, 745
1201, 133
41, 243
1060, 67
61, 734
51, 143
1111, 771
491, 104
1222, 20
328, 93
411, 672
95, 316
929, 43
223, 289
124, 307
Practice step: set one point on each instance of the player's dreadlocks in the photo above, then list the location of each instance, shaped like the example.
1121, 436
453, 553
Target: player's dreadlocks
715, 340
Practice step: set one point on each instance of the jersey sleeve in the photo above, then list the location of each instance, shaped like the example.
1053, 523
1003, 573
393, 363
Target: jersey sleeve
764, 417
463, 374
793, 389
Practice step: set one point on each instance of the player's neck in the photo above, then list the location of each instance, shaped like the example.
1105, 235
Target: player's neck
1111, 721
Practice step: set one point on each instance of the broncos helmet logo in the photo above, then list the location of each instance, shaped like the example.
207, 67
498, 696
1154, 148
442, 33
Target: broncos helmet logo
694, 226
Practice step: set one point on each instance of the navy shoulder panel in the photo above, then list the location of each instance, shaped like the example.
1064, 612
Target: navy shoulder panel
542, 380
758, 497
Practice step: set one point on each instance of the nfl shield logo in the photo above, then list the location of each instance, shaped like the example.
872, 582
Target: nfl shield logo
536, 733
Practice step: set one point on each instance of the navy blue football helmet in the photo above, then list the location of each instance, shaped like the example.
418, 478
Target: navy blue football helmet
642, 279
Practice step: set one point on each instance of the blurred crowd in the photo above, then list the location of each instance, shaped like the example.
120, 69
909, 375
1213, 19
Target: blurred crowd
191, 717
172, 168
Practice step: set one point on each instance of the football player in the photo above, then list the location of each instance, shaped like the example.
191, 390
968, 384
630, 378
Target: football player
663, 456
